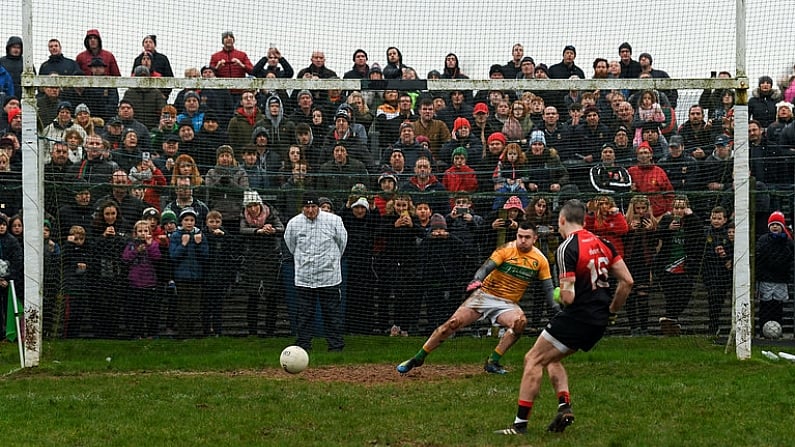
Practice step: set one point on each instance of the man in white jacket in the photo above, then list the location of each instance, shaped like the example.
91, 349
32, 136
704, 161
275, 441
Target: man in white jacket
317, 240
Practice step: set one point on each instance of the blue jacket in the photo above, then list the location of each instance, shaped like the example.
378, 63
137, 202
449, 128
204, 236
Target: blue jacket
187, 259
6, 82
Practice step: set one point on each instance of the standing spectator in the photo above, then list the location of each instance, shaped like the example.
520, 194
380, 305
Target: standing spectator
56, 130
762, 106
697, 134
271, 64
58, 63
103, 101
281, 131
337, 176
93, 44
12, 258
219, 277
226, 182
629, 68
107, 242
160, 62
244, 120
640, 245
605, 220
679, 237
436, 131
424, 183
95, 169
14, 64
218, 100
513, 68
394, 64
460, 177
147, 101
652, 181
607, 176
772, 275
140, 308
645, 60
130, 207
360, 69
362, 224
230, 62
127, 117
717, 267
188, 250
565, 69
76, 280
682, 169
260, 233
717, 175
317, 240
317, 67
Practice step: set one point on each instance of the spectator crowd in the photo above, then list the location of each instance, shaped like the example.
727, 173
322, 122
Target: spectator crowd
180, 207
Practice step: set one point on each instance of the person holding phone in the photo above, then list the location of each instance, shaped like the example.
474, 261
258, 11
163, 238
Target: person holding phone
680, 238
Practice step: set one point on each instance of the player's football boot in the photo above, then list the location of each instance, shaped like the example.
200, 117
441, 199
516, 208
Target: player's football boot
563, 419
408, 365
492, 367
517, 428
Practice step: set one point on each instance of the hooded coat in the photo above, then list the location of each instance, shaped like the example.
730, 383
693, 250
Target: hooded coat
14, 64
84, 58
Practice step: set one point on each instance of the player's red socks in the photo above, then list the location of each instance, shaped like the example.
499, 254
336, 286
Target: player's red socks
523, 411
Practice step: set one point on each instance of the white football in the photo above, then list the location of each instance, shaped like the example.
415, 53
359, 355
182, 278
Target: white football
294, 359
772, 330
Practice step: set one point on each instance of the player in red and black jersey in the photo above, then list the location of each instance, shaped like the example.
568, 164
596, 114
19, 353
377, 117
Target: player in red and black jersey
585, 262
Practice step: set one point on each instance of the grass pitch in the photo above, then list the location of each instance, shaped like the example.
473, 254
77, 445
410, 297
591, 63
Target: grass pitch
627, 392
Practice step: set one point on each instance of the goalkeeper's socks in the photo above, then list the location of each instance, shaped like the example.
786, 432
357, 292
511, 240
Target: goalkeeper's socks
495, 357
523, 411
564, 398
420, 356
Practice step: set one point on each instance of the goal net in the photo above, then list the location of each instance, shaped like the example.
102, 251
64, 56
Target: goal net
236, 118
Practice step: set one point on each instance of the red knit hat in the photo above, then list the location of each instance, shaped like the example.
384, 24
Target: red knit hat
777, 217
497, 136
459, 123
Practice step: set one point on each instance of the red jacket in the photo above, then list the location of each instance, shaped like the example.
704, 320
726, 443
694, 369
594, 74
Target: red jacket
460, 179
231, 69
84, 58
652, 181
613, 228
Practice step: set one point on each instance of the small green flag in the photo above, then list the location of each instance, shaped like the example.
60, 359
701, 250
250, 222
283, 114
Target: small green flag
11, 323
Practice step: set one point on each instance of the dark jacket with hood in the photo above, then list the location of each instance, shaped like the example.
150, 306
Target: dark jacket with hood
394, 70
280, 129
84, 58
14, 64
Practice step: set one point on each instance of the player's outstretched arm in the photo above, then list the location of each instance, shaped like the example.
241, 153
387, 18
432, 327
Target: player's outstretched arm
620, 271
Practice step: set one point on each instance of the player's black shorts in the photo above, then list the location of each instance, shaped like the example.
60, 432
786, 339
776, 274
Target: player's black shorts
572, 334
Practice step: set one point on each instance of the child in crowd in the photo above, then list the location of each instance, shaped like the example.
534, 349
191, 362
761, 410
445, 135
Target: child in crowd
717, 266
774, 251
219, 272
140, 309
188, 250
77, 280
